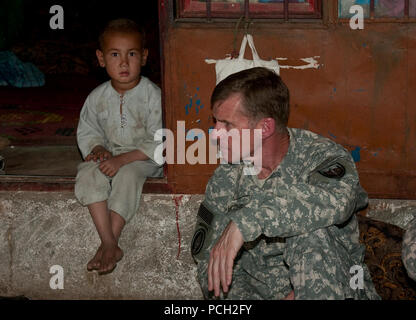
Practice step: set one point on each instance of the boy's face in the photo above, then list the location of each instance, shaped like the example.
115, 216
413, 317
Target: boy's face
123, 57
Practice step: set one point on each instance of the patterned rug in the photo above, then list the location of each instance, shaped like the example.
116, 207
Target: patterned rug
35, 125
383, 243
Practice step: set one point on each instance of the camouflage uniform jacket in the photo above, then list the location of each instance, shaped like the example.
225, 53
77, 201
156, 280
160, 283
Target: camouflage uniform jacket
316, 186
409, 249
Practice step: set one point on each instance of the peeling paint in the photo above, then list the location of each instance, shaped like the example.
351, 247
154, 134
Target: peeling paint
191, 135
311, 63
375, 153
356, 154
194, 103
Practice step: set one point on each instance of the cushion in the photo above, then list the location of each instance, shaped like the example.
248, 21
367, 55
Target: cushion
383, 244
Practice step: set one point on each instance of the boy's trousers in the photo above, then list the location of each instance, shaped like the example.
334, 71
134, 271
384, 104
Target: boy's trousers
122, 192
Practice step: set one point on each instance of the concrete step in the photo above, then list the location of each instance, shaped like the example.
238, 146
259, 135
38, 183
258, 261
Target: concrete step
43, 230
39, 230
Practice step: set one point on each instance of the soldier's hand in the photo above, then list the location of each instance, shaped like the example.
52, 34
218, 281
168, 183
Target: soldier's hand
290, 296
221, 259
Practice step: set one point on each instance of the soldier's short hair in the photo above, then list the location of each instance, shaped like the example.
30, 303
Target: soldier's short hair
264, 94
122, 26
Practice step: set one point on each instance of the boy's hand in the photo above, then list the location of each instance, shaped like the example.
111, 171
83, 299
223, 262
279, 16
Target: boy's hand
110, 167
99, 153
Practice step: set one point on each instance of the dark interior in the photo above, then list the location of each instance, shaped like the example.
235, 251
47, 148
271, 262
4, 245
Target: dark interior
38, 124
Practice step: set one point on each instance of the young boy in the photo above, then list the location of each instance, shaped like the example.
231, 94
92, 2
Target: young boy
116, 138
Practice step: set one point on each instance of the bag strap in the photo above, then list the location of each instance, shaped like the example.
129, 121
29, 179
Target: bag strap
253, 48
242, 48
248, 38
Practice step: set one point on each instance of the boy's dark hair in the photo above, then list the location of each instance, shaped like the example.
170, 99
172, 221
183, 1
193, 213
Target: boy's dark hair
264, 94
124, 26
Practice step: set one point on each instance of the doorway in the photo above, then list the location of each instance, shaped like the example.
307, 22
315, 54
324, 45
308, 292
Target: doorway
38, 124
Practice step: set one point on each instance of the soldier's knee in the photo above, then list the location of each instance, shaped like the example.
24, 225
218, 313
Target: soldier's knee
313, 246
316, 239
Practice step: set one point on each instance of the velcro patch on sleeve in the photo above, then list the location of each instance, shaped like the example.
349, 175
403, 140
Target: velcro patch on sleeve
334, 171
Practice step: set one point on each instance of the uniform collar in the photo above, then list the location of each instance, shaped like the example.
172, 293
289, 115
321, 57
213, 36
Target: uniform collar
286, 161
281, 168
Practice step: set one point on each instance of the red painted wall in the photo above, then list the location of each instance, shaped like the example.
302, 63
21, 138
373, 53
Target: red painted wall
363, 95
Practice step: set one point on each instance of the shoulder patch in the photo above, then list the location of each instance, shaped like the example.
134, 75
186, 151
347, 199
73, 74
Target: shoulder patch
334, 171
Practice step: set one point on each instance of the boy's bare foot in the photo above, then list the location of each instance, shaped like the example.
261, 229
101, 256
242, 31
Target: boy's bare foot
94, 263
105, 259
111, 254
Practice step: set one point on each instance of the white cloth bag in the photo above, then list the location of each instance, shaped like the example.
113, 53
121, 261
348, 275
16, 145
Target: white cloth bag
225, 67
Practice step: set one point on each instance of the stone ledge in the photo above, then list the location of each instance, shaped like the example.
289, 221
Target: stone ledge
39, 230
42, 229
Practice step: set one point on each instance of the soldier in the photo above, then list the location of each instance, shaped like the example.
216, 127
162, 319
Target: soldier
289, 231
409, 250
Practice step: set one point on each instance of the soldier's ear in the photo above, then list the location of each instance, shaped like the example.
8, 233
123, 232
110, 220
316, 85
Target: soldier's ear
268, 127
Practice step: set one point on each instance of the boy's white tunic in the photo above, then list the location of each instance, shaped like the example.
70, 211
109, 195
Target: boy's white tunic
102, 124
